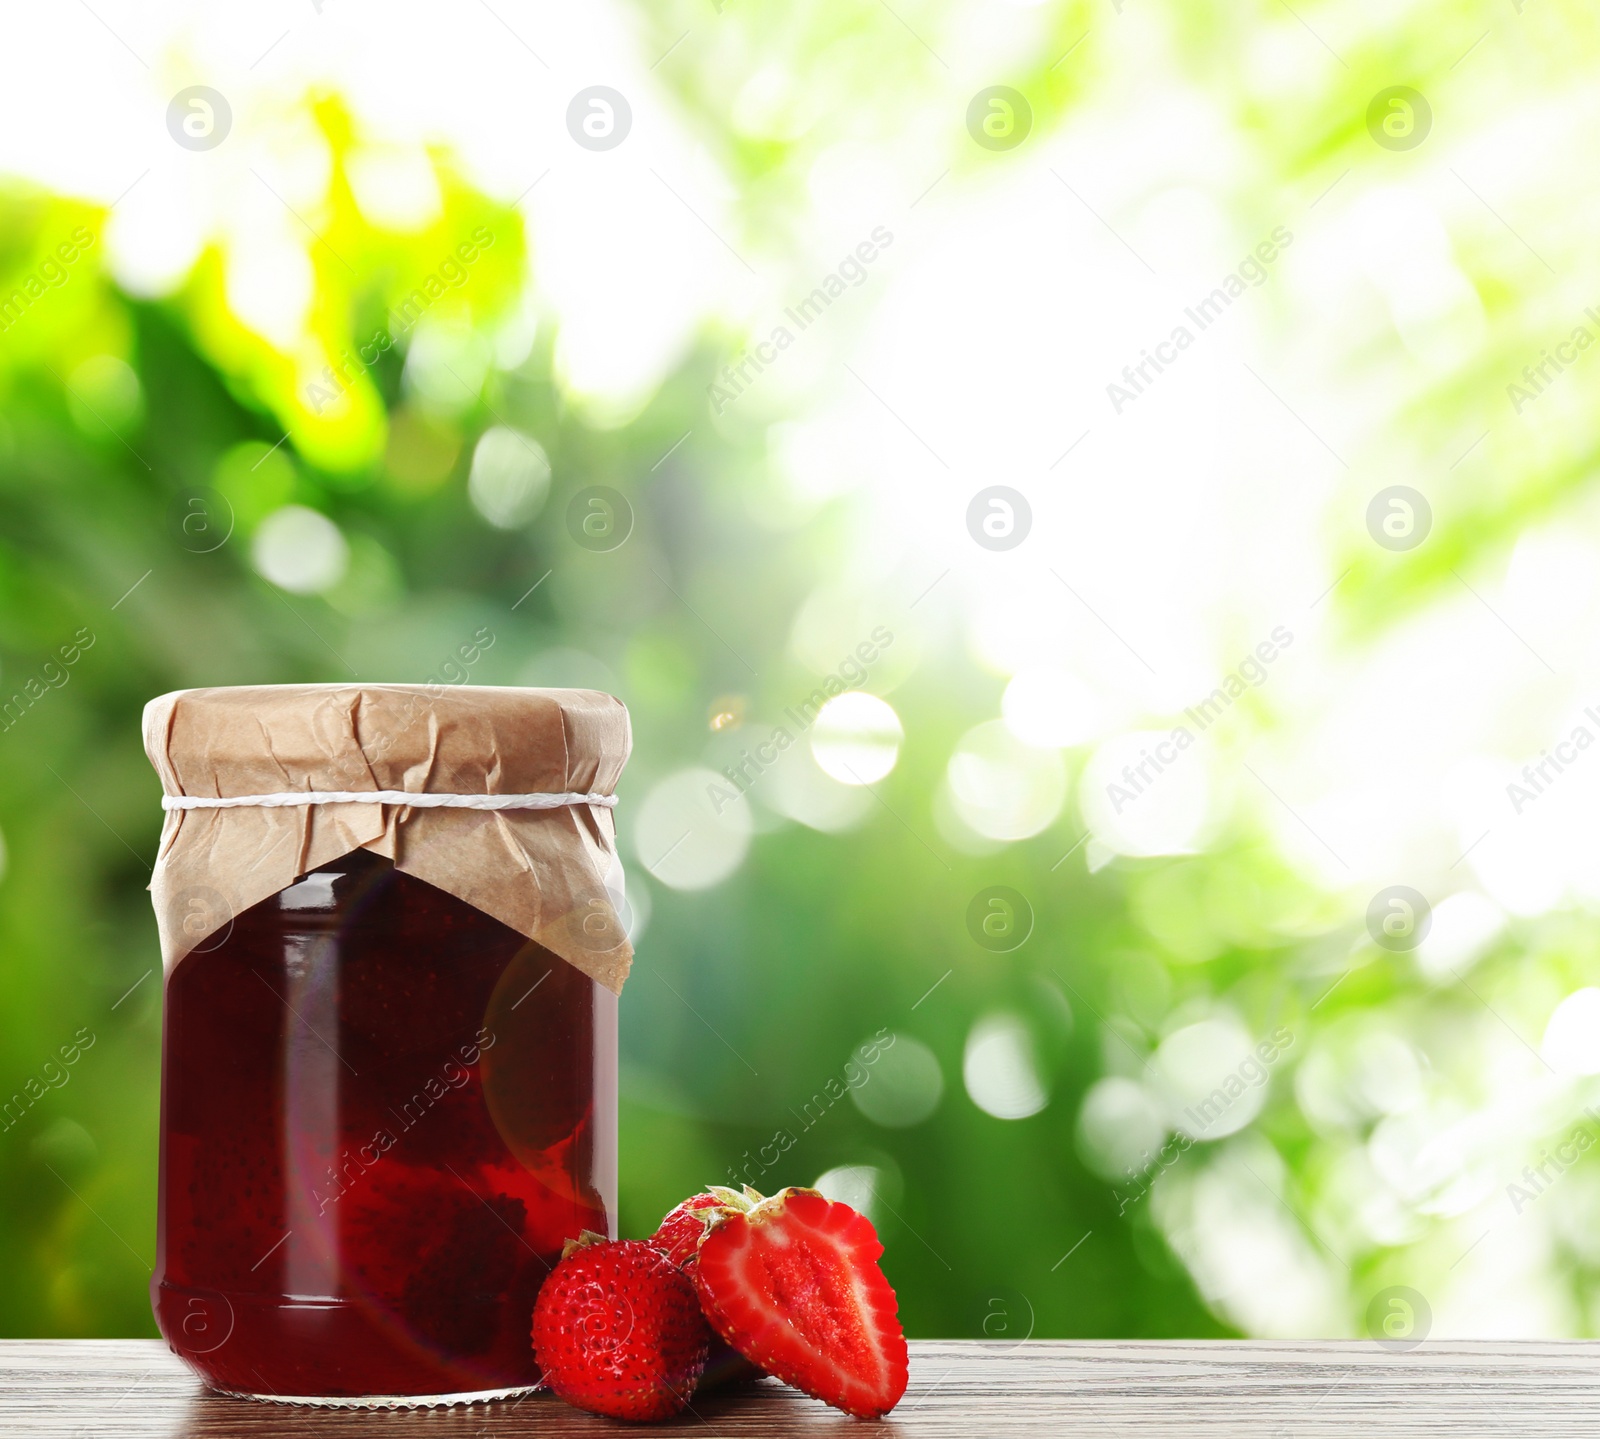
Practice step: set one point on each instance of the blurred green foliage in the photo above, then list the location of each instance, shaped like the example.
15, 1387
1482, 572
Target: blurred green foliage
818, 942
122, 419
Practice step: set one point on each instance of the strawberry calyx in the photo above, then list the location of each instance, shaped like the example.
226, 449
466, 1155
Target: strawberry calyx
678, 1236
754, 1206
586, 1238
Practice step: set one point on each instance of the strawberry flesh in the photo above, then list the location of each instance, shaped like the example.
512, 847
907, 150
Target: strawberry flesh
794, 1285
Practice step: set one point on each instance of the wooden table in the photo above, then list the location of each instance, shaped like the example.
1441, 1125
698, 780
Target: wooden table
93, 1388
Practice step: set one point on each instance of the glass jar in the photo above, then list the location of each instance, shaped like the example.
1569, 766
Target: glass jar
383, 1110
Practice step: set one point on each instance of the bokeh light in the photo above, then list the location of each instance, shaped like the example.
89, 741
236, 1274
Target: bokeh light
1572, 1038
799, 788
1003, 788
1047, 706
693, 829
856, 738
1145, 793
903, 1087
1001, 1070
1121, 1126
299, 549
510, 477
854, 1184
1213, 1080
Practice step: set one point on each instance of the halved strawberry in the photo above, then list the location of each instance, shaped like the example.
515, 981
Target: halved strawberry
793, 1283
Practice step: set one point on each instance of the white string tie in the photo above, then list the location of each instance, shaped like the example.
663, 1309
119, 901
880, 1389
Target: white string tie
385, 796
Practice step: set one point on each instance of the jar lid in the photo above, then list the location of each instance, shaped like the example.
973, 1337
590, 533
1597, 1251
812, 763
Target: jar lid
549, 873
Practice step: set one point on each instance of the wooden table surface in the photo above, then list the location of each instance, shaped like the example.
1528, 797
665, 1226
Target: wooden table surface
92, 1388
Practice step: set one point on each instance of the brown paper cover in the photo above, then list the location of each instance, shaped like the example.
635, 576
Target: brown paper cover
552, 875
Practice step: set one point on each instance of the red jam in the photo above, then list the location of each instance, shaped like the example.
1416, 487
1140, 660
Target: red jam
382, 1113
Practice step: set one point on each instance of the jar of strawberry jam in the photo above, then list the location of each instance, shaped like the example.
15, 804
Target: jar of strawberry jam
390, 921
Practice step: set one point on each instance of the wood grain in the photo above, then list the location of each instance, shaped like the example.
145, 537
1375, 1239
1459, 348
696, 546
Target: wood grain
91, 1388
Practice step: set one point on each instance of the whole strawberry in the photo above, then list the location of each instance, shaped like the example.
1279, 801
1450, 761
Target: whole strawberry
617, 1330
678, 1237
793, 1284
